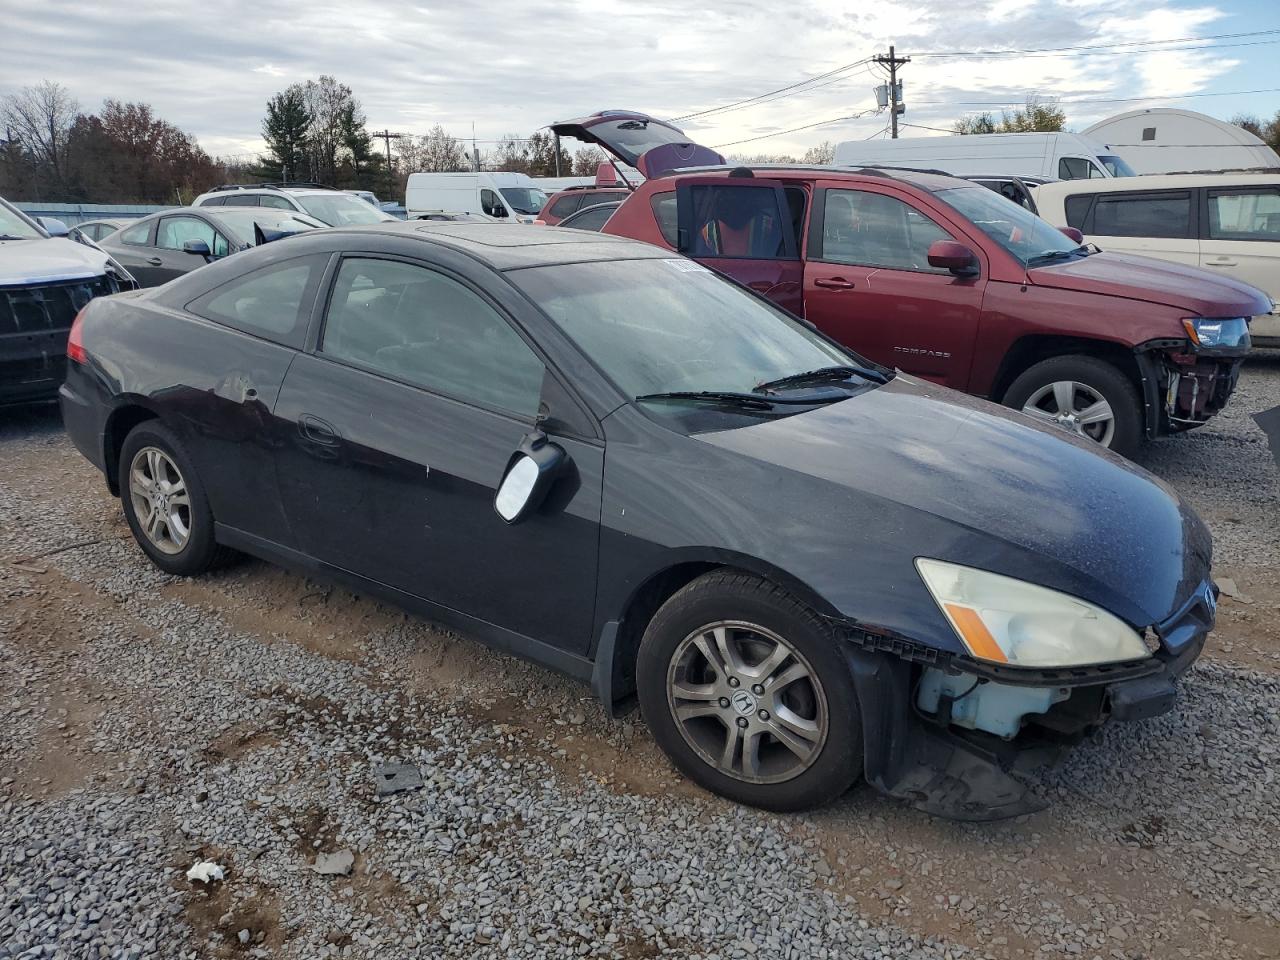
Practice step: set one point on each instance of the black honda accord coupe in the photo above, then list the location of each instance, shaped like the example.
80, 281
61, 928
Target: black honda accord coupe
806, 568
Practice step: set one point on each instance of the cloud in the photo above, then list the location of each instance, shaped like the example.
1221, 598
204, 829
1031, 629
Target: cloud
514, 67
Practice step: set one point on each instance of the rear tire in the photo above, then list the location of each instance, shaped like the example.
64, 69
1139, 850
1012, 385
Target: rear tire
1083, 395
745, 689
165, 503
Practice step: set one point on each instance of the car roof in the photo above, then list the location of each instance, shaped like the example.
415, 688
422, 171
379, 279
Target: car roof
1159, 181
505, 246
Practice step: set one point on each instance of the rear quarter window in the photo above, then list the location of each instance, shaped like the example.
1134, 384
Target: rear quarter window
273, 302
664, 211
1077, 210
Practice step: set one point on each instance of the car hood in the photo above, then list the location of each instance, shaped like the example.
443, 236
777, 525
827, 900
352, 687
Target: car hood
25, 262
1199, 292
943, 475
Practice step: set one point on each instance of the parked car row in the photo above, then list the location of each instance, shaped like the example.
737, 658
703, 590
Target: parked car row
807, 568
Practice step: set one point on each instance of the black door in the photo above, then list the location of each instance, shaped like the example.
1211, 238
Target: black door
222, 379
402, 424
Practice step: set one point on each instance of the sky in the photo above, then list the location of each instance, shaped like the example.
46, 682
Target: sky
512, 67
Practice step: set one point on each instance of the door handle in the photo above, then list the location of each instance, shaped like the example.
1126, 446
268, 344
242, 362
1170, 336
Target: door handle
1221, 262
154, 261
834, 283
317, 430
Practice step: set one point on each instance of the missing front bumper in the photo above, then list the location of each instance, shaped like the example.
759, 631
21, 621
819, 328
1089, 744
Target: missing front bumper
969, 774
1183, 388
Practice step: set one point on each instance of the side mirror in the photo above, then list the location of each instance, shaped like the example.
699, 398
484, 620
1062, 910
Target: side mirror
496, 211
1073, 234
53, 227
530, 474
953, 256
196, 247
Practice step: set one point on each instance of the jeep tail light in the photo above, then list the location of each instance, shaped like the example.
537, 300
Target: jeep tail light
75, 343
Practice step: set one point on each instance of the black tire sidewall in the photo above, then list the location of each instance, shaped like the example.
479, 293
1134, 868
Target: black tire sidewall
741, 597
1099, 375
200, 550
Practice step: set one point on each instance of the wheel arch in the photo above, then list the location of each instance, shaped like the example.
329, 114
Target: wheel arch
128, 413
1027, 351
618, 641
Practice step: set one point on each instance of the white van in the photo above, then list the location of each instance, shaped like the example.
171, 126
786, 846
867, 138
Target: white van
513, 197
1227, 223
1064, 156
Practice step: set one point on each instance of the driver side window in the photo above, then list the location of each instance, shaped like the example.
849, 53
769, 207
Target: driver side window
424, 328
874, 230
492, 204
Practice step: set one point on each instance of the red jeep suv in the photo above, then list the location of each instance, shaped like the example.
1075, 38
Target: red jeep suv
949, 281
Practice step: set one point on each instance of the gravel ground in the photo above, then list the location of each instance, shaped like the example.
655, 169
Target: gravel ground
154, 721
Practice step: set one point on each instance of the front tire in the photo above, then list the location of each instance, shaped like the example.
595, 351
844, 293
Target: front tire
745, 689
165, 503
1084, 395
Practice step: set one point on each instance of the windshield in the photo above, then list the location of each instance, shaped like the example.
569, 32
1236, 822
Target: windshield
239, 222
658, 326
15, 226
1116, 167
341, 209
1015, 228
524, 199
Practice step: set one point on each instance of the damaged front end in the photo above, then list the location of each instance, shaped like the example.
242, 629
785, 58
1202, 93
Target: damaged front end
955, 736
1187, 382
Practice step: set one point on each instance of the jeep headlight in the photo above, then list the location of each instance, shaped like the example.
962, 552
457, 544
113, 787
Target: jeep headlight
1003, 620
1211, 333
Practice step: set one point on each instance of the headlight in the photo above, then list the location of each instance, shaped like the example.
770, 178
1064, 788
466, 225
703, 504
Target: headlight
1003, 620
1232, 332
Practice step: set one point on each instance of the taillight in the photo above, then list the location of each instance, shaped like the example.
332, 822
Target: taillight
75, 344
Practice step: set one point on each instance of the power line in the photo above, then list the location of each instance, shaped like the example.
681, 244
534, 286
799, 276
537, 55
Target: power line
1100, 46
807, 126
1182, 96
770, 93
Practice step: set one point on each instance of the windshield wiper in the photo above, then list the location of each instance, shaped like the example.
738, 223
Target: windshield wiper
822, 375
10, 236
1051, 255
724, 397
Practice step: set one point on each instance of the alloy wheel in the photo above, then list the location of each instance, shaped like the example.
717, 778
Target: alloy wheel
1074, 406
747, 702
160, 500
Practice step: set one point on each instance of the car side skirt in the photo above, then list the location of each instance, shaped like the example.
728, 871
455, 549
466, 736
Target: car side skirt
499, 638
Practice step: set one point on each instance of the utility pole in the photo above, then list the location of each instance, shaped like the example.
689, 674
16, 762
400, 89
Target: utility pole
387, 136
892, 61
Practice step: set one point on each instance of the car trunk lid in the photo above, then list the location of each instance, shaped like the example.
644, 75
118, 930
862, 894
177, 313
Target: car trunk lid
638, 140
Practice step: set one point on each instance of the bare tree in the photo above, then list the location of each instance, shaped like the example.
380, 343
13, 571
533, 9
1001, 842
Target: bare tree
437, 152
587, 161
40, 118
511, 155
824, 153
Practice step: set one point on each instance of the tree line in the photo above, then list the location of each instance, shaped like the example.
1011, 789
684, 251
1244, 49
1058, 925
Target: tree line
51, 150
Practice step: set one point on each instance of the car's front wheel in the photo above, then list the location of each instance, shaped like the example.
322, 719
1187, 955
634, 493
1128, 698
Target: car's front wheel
746, 691
1085, 395
165, 504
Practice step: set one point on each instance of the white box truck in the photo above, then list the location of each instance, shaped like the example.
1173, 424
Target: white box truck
512, 197
1063, 156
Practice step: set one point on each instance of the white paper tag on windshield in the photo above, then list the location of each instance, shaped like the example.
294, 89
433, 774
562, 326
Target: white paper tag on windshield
685, 266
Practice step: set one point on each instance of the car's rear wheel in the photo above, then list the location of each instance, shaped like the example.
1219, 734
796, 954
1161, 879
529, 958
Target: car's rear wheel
1084, 395
745, 689
165, 504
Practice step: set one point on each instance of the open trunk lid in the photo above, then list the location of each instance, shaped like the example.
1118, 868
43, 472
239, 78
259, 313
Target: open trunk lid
651, 146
